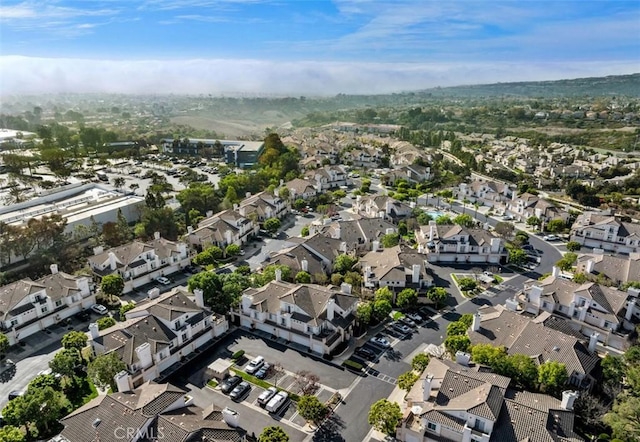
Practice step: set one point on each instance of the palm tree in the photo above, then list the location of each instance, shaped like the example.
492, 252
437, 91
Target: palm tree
118, 182
465, 201
134, 187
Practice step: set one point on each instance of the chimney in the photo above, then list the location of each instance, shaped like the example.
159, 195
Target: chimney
144, 355
209, 213
415, 273
54, 268
123, 381
593, 341
95, 331
304, 264
511, 304
390, 231
228, 237
112, 261
475, 325
189, 229
375, 246
345, 288
156, 235
426, 387
631, 306
432, 230
568, 398
632, 291
278, 275
247, 195
199, 294
231, 417
463, 358
235, 207
588, 268
343, 247
337, 231
98, 250
555, 271
330, 306
153, 293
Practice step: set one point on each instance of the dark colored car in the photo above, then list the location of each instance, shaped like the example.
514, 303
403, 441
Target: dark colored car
239, 392
83, 315
262, 372
230, 383
365, 353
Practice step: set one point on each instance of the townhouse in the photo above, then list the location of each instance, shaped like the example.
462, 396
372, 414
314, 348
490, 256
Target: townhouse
150, 412
617, 268
159, 335
527, 205
223, 228
314, 255
316, 317
606, 232
328, 177
453, 243
519, 334
361, 157
487, 192
357, 235
461, 403
27, 307
413, 174
381, 206
396, 267
301, 189
593, 309
139, 262
262, 206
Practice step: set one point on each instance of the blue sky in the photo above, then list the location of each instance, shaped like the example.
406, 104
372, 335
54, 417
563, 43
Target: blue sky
305, 46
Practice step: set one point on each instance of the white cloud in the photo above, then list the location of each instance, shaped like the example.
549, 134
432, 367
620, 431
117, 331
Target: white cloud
23, 75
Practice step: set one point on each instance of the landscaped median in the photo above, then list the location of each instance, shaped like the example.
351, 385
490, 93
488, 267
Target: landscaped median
261, 383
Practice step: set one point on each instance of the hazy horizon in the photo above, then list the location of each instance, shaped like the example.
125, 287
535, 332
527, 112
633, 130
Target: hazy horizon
315, 48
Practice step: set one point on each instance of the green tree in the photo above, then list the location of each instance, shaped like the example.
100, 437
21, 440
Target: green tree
457, 343
487, 354
10, 433
573, 246
384, 416
343, 263
437, 295
272, 225
124, 308
103, 369
365, 186
44, 380
390, 240
305, 231
232, 250
406, 380
523, 370
567, 261
505, 229
20, 412
105, 322
552, 376
517, 256
555, 226
118, 182
273, 434
384, 293
211, 285
74, 340
381, 308
624, 417
464, 220
112, 287
419, 362
534, 221
444, 220
311, 409
299, 204
407, 298
457, 328
364, 312
303, 277
269, 273
4, 344
65, 362
467, 284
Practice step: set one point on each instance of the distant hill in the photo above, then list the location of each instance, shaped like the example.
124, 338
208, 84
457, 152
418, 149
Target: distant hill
614, 85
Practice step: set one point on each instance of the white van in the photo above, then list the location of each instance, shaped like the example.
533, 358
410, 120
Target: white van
277, 402
254, 365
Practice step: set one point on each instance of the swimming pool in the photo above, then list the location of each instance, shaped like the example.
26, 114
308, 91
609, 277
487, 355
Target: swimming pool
434, 214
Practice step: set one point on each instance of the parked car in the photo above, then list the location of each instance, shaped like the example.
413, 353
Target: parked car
229, 384
242, 252
241, 389
407, 320
277, 402
415, 317
267, 395
163, 280
380, 342
365, 353
191, 269
14, 394
99, 309
402, 328
262, 372
82, 315
254, 365
551, 238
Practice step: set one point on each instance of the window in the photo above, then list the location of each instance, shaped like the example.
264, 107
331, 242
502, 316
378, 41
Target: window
431, 426
45, 309
480, 425
58, 302
184, 337
14, 322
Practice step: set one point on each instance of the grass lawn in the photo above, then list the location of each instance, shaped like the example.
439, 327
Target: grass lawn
212, 383
499, 279
262, 383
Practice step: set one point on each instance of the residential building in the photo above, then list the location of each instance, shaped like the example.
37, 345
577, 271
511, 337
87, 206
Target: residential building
520, 334
395, 267
381, 206
527, 205
617, 268
358, 235
361, 157
461, 403
314, 255
262, 206
606, 232
148, 413
223, 228
139, 262
301, 189
159, 335
314, 316
328, 177
592, 308
485, 191
453, 243
27, 307
412, 174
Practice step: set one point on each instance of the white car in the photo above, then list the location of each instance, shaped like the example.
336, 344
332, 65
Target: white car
254, 365
380, 342
241, 252
99, 309
415, 317
551, 237
162, 280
